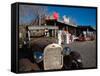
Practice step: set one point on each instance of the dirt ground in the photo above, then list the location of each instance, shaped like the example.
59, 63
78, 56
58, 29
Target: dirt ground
87, 49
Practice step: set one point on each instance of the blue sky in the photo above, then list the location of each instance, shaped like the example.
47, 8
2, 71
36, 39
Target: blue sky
82, 16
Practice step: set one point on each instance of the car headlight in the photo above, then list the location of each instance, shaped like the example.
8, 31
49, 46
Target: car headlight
38, 56
66, 51
79, 60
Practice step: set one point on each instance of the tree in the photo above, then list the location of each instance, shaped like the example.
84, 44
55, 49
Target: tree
32, 14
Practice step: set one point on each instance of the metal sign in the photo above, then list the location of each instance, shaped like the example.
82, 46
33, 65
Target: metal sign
42, 27
53, 58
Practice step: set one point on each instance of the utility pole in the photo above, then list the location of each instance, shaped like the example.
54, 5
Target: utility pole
39, 20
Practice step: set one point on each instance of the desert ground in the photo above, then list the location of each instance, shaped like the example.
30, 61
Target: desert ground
87, 49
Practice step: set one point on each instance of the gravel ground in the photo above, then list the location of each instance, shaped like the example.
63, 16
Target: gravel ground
87, 50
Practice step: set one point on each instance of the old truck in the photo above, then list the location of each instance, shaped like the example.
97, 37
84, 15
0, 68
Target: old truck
44, 53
